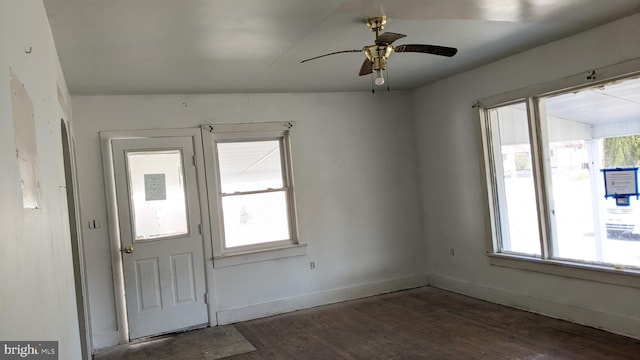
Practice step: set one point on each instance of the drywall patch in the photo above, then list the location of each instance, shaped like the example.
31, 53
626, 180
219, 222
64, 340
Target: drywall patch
25, 136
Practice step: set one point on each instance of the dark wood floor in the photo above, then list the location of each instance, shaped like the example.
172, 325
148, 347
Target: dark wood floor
424, 323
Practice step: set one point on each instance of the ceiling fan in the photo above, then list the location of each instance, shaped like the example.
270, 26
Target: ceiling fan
378, 53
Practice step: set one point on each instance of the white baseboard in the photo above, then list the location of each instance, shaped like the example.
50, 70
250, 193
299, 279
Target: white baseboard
256, 311
104, 340
614, 323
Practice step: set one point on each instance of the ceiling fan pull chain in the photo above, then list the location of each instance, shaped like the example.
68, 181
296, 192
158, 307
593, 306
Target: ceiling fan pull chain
386, 70
373, 90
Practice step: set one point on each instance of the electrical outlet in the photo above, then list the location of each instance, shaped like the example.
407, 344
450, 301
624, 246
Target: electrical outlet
312, 265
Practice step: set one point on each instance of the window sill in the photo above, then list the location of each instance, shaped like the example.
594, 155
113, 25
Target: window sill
259, 255
600, 273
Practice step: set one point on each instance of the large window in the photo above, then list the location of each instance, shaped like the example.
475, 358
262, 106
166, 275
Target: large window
545, 155
254, 187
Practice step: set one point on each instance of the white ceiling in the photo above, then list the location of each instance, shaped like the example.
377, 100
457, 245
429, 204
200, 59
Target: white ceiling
604, 105
229, 46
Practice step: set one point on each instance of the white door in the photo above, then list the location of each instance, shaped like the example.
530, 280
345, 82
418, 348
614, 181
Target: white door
162, 245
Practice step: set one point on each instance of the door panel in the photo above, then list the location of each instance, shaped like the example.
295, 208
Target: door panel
159, 218
148, 284
183, 286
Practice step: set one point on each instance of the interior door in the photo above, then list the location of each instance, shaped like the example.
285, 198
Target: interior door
160, 231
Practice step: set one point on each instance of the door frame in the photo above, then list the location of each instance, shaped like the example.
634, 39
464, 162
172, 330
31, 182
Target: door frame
75, 233
106, 138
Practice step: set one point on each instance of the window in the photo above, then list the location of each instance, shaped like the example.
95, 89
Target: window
545, 155
157, 193
254, 187
519, 221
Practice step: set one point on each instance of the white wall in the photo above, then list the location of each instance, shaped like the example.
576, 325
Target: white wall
355, 170
450, 158
37, 300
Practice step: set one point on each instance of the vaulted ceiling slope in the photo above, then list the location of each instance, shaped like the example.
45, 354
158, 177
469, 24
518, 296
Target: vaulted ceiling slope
232, 46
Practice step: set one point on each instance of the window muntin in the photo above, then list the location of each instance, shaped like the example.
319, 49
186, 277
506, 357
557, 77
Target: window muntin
254, 191
581, 132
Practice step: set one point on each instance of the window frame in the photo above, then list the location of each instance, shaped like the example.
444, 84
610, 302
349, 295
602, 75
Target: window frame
229, 133
544, 263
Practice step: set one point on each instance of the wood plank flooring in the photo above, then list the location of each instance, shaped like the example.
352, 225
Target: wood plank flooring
424, 323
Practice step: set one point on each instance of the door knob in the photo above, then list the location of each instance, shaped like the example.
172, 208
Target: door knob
127, 249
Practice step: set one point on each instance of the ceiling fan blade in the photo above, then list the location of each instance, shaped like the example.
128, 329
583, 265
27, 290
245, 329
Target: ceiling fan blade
427, 49
366, 68
388, 37
333, 53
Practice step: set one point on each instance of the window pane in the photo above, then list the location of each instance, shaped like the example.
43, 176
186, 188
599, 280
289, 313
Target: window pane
589, 131
572, 198
256, 218
157, 194
514, 180
250, 165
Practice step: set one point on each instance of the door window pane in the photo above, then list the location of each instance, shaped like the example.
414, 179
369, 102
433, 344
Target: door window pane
514, 180
157, 192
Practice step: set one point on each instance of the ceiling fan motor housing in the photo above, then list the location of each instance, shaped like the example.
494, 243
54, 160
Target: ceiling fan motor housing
379, 63
378, 55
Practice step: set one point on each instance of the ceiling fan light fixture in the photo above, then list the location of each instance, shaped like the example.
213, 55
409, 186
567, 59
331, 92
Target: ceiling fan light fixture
379, 78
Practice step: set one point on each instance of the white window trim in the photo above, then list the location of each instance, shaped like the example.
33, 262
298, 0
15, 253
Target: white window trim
272, 253
259, 252
582, 270
577, 270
